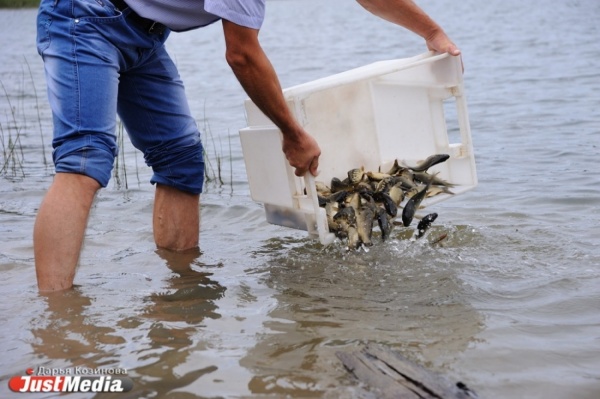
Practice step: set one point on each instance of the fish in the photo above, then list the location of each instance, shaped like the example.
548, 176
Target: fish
363, 188
331, 209
435, 190
429, 162
353, 238
377, 176
384, 222
382, 185
353, 201
406, 181
356, 175
322, 188
364, 222
424, 177
411, 193
344, 219
338, 197
322, 200
396, 194
408, 213
365, 200
395, 168
425, 223
338, 185
389, 204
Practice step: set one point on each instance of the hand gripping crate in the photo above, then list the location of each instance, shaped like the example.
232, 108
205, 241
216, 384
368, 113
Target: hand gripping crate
369, 116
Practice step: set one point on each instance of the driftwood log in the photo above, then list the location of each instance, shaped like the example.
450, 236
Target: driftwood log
390, 375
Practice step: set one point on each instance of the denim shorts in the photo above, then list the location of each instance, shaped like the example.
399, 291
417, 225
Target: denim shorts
99, 62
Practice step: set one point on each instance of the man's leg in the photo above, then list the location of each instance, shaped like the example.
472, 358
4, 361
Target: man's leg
82, 66
176, 218
155, 112
59, 229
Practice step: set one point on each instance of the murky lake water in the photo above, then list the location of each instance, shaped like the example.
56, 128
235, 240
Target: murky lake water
509, 304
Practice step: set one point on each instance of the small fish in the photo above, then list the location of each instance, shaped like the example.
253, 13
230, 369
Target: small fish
338, 185
353, 238
435, 190
363, 188
385, 224
330, 210
396, 194
322, 188
406, 181
388, 203
424, 177
356, 175
322, 200
353, 201
338, 197
429, 162
411, 193
377, 176
408, 213
345, 218
395, 168
382, 185
425, 223
364, 222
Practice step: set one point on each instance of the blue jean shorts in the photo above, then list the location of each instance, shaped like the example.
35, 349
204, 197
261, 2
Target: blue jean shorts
99, 62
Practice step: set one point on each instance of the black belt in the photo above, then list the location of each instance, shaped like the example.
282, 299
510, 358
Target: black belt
146, 24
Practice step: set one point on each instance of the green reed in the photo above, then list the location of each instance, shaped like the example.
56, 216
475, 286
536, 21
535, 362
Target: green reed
213, 160
39, 118
10, 139
15, 125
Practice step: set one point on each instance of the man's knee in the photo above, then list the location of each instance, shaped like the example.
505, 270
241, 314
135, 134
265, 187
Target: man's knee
181, 168
88, 156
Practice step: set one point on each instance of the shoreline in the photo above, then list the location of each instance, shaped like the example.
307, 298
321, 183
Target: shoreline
6, 4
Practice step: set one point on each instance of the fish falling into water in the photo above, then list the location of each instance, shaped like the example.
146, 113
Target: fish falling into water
364, 200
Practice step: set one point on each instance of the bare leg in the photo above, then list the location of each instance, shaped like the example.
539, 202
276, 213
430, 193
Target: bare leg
60, 228
176, 219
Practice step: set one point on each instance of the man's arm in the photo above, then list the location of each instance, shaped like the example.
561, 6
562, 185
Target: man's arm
255, 73
410, 16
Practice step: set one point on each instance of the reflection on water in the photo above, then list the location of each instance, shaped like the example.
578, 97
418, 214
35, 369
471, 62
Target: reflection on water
166, 324
68, 337
175, 314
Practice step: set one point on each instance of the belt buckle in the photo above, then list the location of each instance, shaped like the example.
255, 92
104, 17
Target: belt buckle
156, 27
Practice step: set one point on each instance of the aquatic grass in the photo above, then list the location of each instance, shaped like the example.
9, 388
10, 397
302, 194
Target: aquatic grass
12, 149
210, 174
119, 168
15, 125
213, 160
37, 108
120, 175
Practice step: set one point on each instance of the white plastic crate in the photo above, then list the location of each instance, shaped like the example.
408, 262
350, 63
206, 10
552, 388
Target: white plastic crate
369, 116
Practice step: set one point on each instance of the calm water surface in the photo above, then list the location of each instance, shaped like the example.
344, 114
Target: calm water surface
509, 303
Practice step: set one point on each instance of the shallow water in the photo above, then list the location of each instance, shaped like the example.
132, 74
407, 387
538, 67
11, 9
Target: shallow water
507, 303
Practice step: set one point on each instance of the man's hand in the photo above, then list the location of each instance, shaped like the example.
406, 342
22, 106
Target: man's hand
409, 15
302, 152
441, 43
